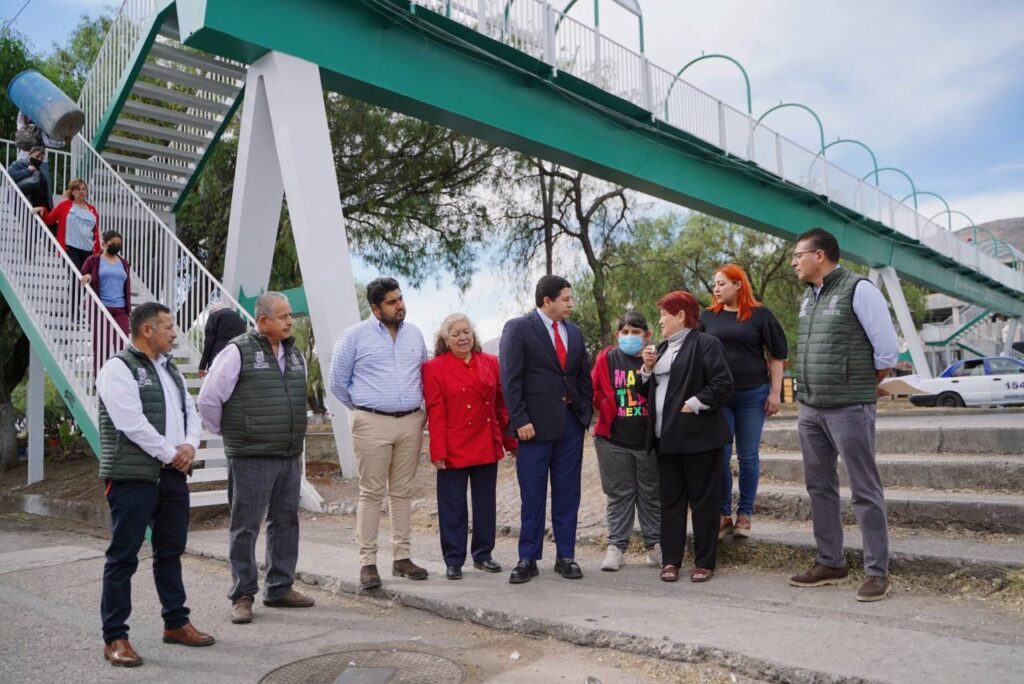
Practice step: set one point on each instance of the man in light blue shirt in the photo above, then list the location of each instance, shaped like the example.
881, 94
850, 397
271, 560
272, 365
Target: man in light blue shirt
375, 372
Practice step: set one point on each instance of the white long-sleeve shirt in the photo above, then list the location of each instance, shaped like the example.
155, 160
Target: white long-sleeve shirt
119, 392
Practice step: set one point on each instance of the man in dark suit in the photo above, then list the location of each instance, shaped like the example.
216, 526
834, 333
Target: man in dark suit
222, 325
545, 375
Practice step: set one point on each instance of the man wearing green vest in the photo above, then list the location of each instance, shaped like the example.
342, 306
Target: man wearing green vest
149, 432
847, 345
255, 396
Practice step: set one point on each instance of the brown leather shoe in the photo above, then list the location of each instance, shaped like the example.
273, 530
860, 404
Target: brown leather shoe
121, 654
369, 578
670, 573
701, 574
406, 568
742, 528
187, 635
874, 589
725, 527
819, 575
241, 610
291, 599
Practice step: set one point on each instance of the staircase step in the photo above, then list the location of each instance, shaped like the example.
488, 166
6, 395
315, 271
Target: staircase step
217, 497
910, 551
208, 475
138, 108
124, 160
945, 472
135, 180
141, 147
169, 29
188, 79
161, 94
163, 132
955, 432
196, 60
909, 508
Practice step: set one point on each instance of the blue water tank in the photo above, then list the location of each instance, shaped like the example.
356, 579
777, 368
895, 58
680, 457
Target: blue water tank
46, 104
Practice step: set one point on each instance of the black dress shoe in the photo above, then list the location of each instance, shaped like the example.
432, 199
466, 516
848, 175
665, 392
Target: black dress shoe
488, 565
568, 568
523, 571
453, 572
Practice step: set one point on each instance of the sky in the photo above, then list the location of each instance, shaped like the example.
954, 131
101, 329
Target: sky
934, 88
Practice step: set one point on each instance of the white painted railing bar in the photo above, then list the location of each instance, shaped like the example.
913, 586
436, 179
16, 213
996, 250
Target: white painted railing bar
160, 261
67, 315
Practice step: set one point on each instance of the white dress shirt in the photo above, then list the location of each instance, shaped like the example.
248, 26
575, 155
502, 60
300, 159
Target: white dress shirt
563, 332
119, 391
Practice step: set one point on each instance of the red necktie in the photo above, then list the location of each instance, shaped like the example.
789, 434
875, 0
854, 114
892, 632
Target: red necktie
559, 346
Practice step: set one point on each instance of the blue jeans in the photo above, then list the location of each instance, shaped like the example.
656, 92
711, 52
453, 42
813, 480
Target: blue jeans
745, 415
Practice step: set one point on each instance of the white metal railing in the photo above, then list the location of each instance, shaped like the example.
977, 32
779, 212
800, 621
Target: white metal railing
160, 263
131, 24
961, 317
67, 315
593, 57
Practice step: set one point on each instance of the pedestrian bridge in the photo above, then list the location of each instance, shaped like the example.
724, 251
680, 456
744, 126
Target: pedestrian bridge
519, 73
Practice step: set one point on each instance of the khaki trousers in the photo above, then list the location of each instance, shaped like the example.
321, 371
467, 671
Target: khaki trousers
387, 454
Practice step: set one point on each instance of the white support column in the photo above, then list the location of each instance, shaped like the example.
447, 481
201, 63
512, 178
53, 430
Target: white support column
1011, 335
891, 279
285, 150
34, 416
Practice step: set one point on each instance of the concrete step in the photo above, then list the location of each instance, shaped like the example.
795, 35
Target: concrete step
908, 508
911, 551
967, 434
921, 471
216, 497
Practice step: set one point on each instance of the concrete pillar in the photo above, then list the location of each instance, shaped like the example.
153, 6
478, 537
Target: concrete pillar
34, 416
285, 151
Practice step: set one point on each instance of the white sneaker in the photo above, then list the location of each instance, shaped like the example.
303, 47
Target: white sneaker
613, 559
654, 556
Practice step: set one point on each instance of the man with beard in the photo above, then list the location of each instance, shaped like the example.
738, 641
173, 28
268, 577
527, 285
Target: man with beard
375, 372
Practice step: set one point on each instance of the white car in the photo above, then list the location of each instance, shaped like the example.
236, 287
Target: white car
974, 382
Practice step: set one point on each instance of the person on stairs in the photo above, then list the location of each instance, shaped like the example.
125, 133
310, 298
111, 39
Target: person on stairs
149, 433
255, 396
78, 223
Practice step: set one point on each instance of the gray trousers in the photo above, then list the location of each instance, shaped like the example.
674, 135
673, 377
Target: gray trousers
258, 487
629, 478
848, 431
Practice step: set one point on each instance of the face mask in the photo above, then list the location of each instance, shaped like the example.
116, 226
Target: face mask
35, 162
631, 344
112, 250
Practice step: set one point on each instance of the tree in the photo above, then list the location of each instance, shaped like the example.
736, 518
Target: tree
13, 364
549, 202
15, 57
68, 65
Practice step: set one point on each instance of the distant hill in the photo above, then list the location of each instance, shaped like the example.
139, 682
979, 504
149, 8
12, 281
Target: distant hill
1010, 230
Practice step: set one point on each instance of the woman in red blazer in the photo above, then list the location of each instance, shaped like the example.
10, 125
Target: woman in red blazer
84, 238
467, 421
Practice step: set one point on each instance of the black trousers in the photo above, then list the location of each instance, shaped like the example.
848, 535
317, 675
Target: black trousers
453, 516
690, 481
133, 507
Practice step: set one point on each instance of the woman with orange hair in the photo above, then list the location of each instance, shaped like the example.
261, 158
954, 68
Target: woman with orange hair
755, 348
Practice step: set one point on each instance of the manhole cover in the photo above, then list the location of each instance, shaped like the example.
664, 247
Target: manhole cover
370, 667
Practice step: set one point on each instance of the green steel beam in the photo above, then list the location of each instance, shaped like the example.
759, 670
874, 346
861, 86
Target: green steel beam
296, 298
53, 369
376, 51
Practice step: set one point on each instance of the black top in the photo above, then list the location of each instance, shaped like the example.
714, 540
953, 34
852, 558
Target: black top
746, 341
629, 427
222, 326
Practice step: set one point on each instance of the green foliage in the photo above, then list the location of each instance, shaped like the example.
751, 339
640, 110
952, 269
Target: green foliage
55, 412
69, 64
15, 57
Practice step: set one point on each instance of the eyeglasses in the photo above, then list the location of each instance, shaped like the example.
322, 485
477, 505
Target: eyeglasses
797, 255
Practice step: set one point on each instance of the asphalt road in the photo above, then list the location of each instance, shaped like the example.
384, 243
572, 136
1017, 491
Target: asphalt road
50, 628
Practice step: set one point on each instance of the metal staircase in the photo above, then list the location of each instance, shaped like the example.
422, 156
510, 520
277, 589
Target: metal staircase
155, 108
966, 328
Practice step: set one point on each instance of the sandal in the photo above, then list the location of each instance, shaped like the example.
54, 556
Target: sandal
670, 573
701, 574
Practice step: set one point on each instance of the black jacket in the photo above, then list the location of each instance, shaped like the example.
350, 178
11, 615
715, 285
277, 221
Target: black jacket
222, 326
699, 370
534, 383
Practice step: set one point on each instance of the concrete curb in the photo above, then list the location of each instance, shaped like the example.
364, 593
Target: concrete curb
591, 637
919, 440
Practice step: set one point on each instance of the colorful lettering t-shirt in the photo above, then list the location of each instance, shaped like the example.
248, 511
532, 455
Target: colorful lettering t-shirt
629, 428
